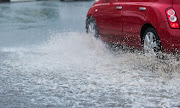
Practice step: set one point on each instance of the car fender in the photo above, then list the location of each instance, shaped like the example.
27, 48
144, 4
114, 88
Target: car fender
156, 16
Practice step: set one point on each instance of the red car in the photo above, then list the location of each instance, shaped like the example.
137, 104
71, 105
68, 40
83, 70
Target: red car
152, 24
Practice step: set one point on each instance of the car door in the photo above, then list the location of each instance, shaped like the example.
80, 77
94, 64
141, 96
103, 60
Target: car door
133, 19
109, 19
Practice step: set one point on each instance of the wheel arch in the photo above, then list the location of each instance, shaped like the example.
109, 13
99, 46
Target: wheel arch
144, 28
87, 19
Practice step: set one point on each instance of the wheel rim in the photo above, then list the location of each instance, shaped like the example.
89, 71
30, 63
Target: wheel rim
150, 43
91, 29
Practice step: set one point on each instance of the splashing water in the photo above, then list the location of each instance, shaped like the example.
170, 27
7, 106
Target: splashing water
76, 70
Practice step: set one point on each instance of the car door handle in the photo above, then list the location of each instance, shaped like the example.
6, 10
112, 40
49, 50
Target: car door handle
142, 8
119, 7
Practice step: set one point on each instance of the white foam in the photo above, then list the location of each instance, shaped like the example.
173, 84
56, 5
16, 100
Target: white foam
84, 68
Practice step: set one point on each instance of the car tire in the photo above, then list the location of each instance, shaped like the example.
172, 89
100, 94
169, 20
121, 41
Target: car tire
151, 42
91, 27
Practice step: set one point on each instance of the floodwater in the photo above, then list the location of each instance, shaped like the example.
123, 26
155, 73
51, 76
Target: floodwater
47, 60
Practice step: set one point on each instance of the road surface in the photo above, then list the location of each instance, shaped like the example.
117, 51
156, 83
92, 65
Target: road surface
47, 60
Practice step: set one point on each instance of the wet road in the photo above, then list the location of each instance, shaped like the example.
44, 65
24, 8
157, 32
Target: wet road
47, 60
33, 22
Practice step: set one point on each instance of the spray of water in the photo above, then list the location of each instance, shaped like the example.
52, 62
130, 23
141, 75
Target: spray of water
84, 68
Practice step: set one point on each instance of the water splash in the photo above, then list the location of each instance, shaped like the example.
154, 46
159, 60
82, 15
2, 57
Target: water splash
74, 69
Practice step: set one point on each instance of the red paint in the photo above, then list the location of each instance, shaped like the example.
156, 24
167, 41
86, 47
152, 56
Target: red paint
125, 25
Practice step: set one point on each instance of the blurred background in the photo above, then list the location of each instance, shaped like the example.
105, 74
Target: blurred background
32, 22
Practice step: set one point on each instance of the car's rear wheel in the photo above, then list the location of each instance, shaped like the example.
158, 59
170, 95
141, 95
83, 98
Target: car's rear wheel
151, 42
91, 27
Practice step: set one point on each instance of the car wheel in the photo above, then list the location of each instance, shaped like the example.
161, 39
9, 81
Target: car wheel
91, 27
151, 42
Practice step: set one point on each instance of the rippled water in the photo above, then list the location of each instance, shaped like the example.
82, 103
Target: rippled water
61, 66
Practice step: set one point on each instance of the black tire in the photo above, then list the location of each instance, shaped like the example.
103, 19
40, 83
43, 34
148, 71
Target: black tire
154, 46
92, 21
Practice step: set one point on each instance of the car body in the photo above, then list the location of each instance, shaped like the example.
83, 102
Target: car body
125, 21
